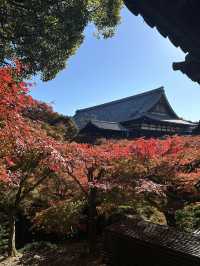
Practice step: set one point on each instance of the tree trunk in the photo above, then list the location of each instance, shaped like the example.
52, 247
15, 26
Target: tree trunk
11, 241
92, 220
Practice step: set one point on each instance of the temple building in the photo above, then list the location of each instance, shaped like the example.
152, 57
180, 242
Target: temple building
148, 114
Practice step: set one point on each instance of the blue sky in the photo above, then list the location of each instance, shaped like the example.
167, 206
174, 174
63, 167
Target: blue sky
135, 60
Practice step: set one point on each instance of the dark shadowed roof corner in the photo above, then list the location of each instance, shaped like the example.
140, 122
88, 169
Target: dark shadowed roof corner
114, 126
178, 20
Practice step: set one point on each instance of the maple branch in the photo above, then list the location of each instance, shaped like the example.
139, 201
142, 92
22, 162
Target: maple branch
78, 182
35, 185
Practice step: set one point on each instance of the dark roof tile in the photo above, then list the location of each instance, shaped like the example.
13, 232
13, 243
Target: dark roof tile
114, 126
178, 20
159, 235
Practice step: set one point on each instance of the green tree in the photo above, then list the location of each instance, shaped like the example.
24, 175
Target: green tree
43, 34
188, 218
56, 125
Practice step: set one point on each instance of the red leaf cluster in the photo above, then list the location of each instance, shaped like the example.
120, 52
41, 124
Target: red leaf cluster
173, 162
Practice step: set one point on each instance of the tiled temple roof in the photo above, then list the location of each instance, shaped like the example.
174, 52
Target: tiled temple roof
159, 236
110, 115
121, 110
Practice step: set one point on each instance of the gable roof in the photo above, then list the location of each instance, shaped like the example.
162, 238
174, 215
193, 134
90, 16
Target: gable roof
124, 109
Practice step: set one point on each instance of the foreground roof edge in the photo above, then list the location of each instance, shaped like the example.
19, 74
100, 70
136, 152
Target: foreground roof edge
177, 20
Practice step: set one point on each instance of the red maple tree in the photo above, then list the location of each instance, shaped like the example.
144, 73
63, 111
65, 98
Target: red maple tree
28, 158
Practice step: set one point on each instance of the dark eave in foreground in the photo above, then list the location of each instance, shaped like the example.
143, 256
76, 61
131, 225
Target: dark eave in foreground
178, 20
183, 244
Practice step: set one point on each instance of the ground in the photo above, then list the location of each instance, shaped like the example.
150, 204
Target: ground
74, 253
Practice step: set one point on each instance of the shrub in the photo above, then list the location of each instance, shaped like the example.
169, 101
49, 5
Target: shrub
60, 219
38, 246
188, 219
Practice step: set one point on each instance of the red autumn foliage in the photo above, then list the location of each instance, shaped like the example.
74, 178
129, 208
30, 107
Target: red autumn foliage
29, 157
175, 159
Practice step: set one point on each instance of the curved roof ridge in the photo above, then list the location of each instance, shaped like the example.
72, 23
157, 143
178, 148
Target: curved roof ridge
170, 107
160, 89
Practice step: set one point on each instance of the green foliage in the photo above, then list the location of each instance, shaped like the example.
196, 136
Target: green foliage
125, 202
62, 129
43, 34
60, 219
150, 213
56, 125
188, 219
38, 246
3, 233
141, 209
105, 15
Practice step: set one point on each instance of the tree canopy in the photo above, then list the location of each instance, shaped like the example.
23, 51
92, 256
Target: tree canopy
43, 34
48, 179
